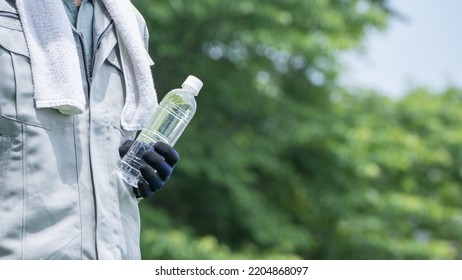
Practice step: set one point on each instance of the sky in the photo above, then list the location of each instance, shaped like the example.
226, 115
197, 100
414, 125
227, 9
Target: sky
425, 49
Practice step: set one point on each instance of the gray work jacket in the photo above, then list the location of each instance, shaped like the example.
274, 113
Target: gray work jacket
59, 196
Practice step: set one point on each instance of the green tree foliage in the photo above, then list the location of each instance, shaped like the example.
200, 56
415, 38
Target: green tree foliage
279, 163
402, 163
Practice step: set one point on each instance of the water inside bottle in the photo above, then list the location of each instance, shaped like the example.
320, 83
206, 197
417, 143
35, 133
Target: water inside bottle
167, 126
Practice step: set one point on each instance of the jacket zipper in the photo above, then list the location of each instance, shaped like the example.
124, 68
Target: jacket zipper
88, 64
100, 38
85, 61
9, 14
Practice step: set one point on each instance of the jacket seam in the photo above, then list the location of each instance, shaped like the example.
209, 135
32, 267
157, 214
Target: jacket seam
78, 186
5, 162
24, 193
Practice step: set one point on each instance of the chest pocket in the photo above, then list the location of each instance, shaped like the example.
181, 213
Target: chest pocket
16, 89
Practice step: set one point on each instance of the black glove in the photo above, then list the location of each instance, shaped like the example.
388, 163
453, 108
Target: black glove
158, 167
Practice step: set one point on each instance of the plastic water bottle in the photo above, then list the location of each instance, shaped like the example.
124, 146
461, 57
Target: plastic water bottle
170, 119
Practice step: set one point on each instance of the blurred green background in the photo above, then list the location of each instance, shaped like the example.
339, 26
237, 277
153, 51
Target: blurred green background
280, 161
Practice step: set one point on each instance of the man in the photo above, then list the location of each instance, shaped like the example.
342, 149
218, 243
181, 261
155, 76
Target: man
75, 87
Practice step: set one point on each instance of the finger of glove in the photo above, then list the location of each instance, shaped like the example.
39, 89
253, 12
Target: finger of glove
151, 177
144, 190
158, 163
168, 152
125, 147
136, 191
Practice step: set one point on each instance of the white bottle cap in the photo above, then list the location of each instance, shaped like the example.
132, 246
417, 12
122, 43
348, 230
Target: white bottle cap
194, 83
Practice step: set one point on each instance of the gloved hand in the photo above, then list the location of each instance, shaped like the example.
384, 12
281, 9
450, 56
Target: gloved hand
158, 167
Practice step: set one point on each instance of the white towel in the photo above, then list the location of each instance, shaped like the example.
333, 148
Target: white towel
55, 65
